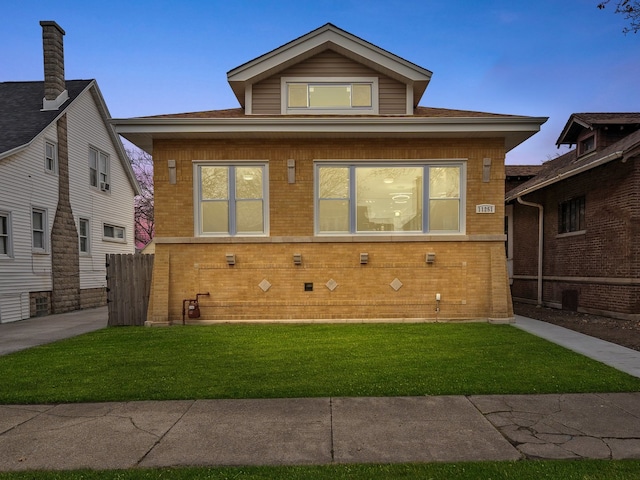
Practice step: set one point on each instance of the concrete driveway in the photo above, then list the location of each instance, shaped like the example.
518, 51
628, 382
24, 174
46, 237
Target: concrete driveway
16, 336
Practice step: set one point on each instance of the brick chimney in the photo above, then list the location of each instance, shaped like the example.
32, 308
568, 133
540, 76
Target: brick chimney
55, 92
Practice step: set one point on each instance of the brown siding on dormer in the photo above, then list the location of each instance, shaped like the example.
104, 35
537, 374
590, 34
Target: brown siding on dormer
266, 94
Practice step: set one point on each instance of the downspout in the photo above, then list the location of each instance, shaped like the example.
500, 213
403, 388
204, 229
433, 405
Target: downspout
540, 242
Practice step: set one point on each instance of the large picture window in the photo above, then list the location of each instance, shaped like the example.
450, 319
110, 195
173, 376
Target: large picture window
231, 199
356, 199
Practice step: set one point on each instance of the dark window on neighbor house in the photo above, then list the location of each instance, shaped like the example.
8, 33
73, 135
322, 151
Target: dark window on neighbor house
5, 235
39, 229
99, 169
571, 216
83, 234
113, 233
51, 157
587, 145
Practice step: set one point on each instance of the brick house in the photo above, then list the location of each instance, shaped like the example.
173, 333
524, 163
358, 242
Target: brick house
514, 176
585, 207
66, 191
330, 195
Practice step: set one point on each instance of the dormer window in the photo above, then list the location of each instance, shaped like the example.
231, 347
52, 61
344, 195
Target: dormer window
587, 145
341, 96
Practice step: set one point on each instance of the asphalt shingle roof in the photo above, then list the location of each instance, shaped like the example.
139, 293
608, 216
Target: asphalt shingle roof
579, 121
21, 118
564, 165
418, 112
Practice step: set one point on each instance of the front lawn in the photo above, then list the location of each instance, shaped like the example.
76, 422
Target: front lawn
319, 360
523, 470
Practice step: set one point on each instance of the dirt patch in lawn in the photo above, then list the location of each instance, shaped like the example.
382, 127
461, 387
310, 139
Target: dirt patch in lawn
622, 332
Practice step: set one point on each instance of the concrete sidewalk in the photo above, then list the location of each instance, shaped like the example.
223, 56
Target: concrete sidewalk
616, 356
311, 431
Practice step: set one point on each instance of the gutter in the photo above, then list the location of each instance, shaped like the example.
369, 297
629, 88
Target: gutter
561, 176
540, 242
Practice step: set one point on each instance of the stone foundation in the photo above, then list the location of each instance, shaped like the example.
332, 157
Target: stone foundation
93, 297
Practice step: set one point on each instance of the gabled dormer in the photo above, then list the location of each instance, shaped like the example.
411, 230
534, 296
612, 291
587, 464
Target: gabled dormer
329, 72
592, 132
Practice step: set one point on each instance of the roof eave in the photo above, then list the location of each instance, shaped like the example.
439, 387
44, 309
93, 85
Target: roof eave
514, 130
568, 174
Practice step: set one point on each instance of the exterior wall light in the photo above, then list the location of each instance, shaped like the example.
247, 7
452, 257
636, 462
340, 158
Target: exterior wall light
364, 258
431, 257
231, 259
297, 259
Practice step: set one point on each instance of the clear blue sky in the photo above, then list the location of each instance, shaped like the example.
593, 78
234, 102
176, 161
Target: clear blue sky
545, 58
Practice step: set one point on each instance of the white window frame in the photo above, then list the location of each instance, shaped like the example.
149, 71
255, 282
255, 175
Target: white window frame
114, 237
395, 163
87, 237
197, 196
102, 180
43, 231
51, 160
284, 95
6, 235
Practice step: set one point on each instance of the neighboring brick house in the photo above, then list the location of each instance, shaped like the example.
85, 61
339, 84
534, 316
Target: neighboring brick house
330, 195
66, 191
585, 205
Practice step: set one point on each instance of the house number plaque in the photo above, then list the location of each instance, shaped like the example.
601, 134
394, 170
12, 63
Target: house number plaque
485, 208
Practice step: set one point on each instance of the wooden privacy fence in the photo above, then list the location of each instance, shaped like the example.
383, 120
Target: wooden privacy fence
128, 286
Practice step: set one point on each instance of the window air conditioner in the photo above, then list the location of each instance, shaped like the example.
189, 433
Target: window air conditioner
104, 186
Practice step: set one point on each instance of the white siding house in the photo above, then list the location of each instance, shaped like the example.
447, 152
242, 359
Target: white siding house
47, 151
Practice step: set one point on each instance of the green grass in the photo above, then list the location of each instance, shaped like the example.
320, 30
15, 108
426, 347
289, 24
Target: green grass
530, 470
279, 361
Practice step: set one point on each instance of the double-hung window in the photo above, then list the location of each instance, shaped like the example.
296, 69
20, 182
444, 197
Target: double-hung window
5, 235
84, 235
410, 198
50, 157
99, 169
39, 230
231, 199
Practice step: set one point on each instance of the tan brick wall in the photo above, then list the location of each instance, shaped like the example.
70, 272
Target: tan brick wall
469, 275
291, 205
471, 287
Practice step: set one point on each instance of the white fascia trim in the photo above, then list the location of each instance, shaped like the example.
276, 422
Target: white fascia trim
297, 124
409, 94
248, 99
13, 151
